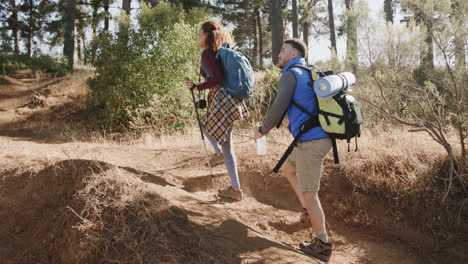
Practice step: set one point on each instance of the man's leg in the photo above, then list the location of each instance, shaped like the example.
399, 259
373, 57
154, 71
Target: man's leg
316, 215
289, 172
309, 170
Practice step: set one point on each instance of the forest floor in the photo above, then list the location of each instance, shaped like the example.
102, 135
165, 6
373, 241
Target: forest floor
50, 170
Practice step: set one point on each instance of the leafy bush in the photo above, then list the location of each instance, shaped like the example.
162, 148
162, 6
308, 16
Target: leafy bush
266, 88
43, 64
140, 70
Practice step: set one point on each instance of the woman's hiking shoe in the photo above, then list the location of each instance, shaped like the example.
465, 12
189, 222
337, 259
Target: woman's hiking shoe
304, 218
231, 193
216, 159
317, 248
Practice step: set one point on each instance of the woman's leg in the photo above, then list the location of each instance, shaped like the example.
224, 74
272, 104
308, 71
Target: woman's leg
230, 161
216, 146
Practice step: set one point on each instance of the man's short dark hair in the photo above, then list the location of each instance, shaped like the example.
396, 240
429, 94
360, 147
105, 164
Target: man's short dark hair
299, 45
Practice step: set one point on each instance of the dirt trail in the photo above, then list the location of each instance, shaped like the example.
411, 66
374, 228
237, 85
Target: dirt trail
263, 228
254, 229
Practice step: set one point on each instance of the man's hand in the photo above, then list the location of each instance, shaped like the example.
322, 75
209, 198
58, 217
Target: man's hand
257, 135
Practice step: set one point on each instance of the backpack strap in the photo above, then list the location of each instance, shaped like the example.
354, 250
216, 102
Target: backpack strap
287, 153
335, 150
308, 125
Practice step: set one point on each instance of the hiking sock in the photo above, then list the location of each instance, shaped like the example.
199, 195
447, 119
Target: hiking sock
323, 237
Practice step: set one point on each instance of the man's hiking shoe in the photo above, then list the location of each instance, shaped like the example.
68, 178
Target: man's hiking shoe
231, 193
317, 248
304, 218
216, 159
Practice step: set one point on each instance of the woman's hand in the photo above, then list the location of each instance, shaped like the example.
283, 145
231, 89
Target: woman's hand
189, 83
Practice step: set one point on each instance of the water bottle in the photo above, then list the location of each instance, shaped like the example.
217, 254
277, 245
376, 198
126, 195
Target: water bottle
261, 146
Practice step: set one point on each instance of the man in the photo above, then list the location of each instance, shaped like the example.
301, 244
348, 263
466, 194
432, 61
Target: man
303, 168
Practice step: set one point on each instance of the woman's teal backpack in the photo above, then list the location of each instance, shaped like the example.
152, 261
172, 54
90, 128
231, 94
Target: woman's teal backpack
238, 73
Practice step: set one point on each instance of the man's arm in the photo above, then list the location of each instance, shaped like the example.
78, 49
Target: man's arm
287, 86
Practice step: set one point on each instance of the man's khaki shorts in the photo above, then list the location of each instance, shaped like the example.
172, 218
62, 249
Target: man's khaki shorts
307, 159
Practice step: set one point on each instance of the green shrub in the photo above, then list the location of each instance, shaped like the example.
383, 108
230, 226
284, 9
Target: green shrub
43, 64
140, 70
266, 88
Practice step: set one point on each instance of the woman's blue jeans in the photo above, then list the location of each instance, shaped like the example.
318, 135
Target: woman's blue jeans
229, 157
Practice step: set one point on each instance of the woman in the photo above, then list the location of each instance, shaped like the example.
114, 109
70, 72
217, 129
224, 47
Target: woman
222, 109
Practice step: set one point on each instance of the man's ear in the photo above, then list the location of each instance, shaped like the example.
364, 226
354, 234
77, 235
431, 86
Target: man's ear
295, 53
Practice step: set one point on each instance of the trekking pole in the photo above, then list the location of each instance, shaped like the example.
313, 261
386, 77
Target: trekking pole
204, 143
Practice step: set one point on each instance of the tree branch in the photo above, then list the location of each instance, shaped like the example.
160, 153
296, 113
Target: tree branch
390, 115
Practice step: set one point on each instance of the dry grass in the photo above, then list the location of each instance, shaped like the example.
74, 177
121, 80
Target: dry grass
93, 212
397, 179
122, 218
396, 184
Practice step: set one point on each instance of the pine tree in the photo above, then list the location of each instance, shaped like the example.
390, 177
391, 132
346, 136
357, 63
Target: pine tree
276, 29
331, 24
260, 33
126, 6
351, 36
294, 19
32, 20
249, 32
106, 4
388, 8
459, 19
423, 13
69, 32
313, 15
7, 23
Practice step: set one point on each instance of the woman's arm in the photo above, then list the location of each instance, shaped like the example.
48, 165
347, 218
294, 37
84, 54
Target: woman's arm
214, 67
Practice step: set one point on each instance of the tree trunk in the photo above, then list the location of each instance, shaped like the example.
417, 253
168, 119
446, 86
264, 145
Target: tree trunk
331, 24
255, 39
107, 15
152, 3
427, 54
79, 40
68, 47
83, 42
78, 45
294, 19
388, 10
94, 18
461, 137
351, 37
276, 29
260, 36
94, 24
123, 30
126, 6
14, 26
30, 27
460, 52
305, 32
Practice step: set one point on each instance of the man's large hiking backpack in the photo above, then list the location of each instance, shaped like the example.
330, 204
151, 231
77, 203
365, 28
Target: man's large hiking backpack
340, 116
238, 73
